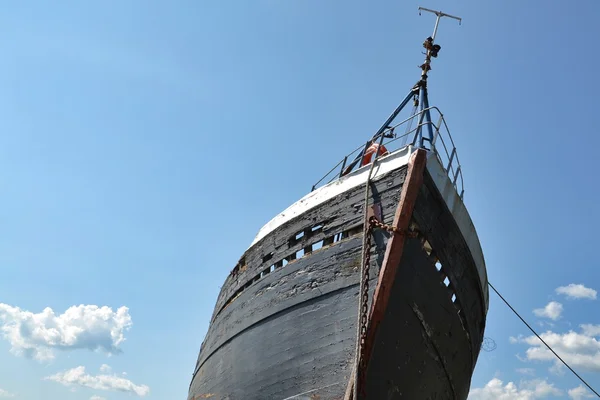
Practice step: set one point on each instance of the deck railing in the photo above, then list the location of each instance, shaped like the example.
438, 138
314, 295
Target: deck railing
441, 144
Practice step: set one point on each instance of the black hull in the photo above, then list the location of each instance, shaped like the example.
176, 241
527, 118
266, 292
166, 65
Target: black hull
289, 332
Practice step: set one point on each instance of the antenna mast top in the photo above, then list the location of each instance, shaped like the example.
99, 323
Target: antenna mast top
421, 103
430, 46
439, 16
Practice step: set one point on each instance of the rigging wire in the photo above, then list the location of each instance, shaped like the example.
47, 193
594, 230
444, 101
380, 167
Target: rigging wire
542, 340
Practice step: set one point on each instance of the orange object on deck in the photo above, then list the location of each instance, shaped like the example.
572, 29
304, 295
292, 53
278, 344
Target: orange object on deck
373, 148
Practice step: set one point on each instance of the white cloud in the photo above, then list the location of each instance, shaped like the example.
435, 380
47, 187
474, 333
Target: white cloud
577, 291
579, 393
527, 390
80, 327
590, 330
557, 369
105, 368
526, 371
577, 349
546, 324
4, 393
552, 311
97, 398
78, 377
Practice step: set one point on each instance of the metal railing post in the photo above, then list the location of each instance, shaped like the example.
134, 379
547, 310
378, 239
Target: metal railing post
451, 158
437, 132
456, 175
343, 166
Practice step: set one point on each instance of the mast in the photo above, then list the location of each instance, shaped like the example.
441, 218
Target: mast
418, 91
432, 50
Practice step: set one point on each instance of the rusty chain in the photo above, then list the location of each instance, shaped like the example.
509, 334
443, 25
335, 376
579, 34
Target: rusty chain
393, 229
364, 304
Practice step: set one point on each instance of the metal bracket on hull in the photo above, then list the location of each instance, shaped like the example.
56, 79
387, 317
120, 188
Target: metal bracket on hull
374, 211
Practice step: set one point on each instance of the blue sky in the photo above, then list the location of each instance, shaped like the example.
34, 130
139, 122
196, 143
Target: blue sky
145, 143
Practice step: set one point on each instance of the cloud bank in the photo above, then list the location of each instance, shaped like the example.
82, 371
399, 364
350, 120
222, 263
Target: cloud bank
78, 377
80, 327
527, 390
580, 350
577, 291
580, 393
590, 330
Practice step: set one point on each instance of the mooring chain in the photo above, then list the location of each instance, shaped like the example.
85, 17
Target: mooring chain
393, 229
364, 304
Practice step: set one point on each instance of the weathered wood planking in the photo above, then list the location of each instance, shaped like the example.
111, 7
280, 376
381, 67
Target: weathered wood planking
290, 290
420, 350
434, 218
291, 333
336, 215
297, 336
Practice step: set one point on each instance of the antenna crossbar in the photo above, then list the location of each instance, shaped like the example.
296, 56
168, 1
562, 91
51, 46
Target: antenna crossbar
439, 15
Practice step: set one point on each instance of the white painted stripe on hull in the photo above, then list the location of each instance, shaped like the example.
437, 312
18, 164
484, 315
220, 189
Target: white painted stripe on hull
383, 165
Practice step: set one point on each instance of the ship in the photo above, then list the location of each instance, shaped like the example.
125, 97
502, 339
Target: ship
371, 286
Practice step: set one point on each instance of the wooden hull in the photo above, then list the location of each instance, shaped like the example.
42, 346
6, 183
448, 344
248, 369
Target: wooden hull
289, 331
